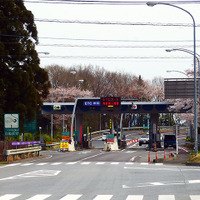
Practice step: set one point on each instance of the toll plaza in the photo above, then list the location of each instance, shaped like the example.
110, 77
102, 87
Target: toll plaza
109, 105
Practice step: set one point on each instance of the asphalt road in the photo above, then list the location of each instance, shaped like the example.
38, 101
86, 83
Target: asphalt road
97, 175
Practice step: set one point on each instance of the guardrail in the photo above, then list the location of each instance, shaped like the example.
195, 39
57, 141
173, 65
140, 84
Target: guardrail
24, 152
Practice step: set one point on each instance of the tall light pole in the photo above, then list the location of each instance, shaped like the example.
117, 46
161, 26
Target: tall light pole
73, 73
197, 57
194, 59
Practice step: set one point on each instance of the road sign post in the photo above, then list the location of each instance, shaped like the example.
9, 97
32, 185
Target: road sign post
11, 124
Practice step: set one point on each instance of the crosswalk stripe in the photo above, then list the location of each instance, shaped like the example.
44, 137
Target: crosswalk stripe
40, 197
134, 197
194, 197
9, 196
103, 197
71, 197
166, 197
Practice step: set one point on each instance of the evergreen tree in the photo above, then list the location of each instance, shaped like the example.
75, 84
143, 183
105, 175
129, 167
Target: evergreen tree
22, 81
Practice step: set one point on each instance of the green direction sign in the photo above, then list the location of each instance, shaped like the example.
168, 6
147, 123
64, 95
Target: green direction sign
66, 133
30, 126
11, 124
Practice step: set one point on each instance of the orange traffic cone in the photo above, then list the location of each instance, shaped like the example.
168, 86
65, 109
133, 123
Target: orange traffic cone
149, 157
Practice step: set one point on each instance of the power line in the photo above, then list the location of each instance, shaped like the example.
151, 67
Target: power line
100, 40
115, 23
115, 46
105, 2
119, 57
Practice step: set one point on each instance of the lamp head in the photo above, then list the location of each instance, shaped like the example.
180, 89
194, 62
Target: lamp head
168, 50
151, 3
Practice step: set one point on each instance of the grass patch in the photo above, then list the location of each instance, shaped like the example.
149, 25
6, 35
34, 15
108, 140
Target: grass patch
194, 158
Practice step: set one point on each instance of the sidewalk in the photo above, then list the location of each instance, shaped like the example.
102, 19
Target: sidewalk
180, 159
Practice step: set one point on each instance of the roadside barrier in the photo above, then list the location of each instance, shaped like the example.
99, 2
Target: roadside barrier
23, 152
164, 154
170, 155
132, 142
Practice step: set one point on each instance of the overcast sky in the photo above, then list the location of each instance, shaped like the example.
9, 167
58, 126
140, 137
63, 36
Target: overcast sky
122, 38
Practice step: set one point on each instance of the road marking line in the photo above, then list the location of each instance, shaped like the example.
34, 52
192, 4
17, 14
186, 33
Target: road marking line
194, 197
103, 197
85, 163
144, 163
100, 163
27, 164
56, 163
71, 163
40, 164
134, 197
39, 197
133, 158
129, 163
166, 197
9, 196
71, 197
194, 181
158, 163
114, 163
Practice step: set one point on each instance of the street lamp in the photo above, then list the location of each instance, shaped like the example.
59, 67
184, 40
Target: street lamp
73, 73
168, 71
197, 57
194, 59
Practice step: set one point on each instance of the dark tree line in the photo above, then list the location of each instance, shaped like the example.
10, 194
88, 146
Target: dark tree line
22, 81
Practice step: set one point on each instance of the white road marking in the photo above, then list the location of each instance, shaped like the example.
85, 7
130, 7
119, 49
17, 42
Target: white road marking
34, 174
129, 163
194, 181
144, 163
166, 197
114, 163
134, 197
41, 164
27, 164
100, 163
71, 163
39, 197
133, 158
71, 197
194, 197
9, 196
103, 197
85, 163
56, 163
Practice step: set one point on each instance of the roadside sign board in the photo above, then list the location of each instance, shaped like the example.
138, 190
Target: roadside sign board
30, 126
11, 124
110, 138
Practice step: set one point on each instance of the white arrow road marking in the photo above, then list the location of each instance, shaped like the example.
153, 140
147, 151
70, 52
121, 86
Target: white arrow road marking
34, 174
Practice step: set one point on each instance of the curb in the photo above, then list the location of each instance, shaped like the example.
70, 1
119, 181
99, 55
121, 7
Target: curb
192, 164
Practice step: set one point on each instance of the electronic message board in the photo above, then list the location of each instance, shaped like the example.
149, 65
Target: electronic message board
111, 102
